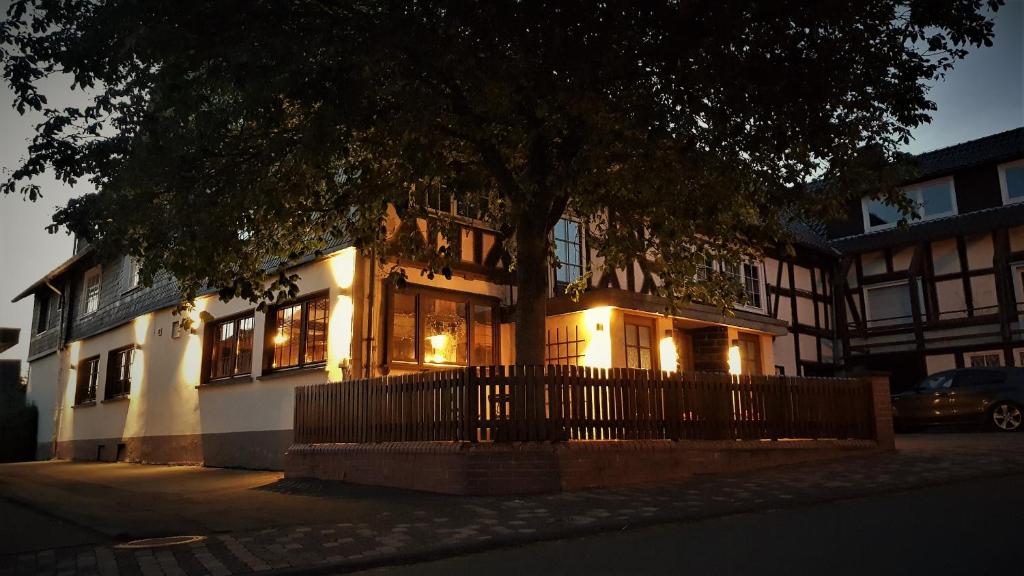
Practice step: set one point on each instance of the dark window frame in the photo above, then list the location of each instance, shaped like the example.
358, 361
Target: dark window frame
87, 380
419, 291
650, 324
271, 329
43, 321
118, 384
210, 343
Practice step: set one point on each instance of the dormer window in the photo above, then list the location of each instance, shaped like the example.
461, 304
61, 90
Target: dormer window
1011, 181
934, 199
91, 291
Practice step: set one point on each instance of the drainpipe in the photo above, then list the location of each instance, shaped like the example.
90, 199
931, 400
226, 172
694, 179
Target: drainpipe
371, 296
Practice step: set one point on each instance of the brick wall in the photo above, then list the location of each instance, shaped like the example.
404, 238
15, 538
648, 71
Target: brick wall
710, 349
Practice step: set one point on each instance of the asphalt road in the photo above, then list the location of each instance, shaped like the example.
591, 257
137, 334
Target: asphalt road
971, 528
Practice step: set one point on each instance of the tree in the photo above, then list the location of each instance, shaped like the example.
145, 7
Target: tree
226, 133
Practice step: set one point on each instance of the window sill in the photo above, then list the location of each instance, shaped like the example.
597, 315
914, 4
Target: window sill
240, 379
122, 398
84, 404
284, 372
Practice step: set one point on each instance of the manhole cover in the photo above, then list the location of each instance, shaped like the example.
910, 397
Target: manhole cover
161, 542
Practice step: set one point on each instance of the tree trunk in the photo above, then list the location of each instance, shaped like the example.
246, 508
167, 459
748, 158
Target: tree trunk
532, 282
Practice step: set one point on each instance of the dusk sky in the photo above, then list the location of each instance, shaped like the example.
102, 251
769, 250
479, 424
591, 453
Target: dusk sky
984, 95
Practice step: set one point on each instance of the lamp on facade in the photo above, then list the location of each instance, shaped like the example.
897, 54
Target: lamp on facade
735, 360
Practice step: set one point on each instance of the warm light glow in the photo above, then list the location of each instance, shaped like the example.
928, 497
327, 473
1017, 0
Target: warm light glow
339, 337
669, 354
280, 338
599, 340
343, 267
141, 328
735, 362
190, 369
439, 344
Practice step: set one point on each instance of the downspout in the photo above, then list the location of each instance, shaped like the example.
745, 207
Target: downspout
371, 296
58, 411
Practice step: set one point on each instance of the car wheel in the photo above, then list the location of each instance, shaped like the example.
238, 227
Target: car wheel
1006, 417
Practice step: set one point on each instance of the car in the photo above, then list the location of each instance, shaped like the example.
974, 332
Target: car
991, 396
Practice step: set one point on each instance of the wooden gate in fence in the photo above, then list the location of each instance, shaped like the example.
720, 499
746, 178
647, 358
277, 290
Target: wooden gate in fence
535, 403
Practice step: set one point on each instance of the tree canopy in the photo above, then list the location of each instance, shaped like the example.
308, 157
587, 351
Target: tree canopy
225, 133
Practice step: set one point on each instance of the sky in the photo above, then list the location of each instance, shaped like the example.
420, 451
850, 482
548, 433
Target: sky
983, 95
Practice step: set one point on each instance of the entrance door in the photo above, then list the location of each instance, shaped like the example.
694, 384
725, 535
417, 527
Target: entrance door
750, 353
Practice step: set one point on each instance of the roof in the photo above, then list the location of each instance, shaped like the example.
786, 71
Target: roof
8, 338
52, 274
810, 235
1007, 145
962, 224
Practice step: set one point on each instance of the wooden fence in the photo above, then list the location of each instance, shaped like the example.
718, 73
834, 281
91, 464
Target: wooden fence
531, 403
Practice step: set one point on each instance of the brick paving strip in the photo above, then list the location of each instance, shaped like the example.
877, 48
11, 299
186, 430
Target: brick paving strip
479, 523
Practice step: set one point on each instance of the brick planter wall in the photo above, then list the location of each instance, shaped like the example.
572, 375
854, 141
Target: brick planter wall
539, 467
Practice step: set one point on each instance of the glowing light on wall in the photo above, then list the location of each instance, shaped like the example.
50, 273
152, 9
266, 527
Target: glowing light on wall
141, 328
735, 361
439, 345
668, 353
339, 337
599, 341
190, 369
343, 267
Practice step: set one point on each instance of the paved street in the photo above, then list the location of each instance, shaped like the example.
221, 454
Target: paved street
255, 521
963, 528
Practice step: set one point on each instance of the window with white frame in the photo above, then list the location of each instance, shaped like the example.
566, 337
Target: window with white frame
748, 275
1018, 283
1011, 181
569, 250
131, 273
983, 359
888, 304
933, 199
91, 291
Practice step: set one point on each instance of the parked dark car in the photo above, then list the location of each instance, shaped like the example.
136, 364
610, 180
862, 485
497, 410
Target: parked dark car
993, 397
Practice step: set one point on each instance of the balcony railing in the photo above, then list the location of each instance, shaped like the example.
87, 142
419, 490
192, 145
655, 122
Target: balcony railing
559, 403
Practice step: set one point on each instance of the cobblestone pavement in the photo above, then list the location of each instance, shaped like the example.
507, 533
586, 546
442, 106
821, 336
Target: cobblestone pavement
478, 523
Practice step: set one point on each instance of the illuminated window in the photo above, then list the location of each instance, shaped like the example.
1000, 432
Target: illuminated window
298, 334
569, 250
639, 345
91, 291
85, 385
231, 347
934, 199
119, 373
441, 328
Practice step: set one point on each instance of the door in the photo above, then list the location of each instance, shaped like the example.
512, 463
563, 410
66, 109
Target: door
750, 353
974, 390
929, 402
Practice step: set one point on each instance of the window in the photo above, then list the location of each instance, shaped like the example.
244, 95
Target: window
131, 273
934, 199
119, 373
298, 334
1011, 181
939, 381
91, 291
983, 359
85, 386
565, 346
230, 351
747, 274
43, 320
639, 339
442, 328
888, 304
569, 250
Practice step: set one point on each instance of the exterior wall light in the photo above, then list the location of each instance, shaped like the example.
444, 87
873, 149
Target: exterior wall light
668, 352
735, 361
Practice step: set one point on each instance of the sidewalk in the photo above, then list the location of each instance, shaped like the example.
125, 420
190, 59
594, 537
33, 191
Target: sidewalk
423, 526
